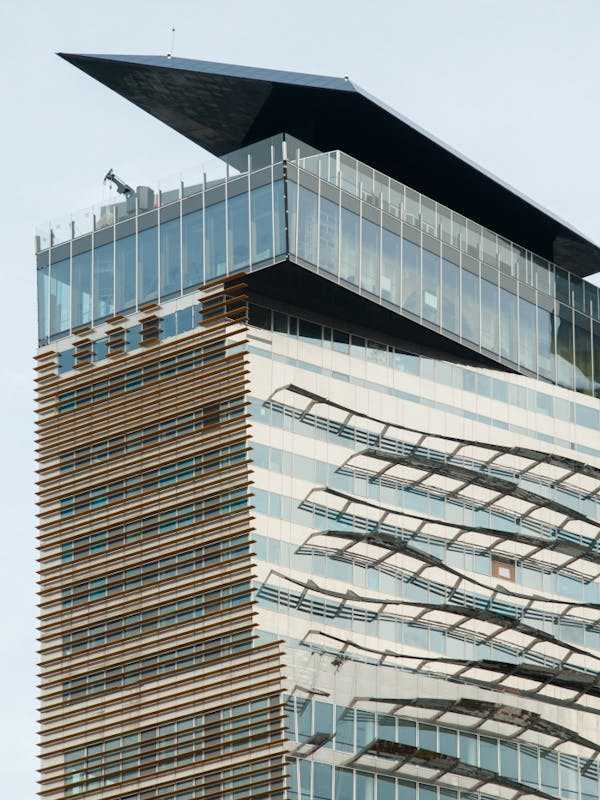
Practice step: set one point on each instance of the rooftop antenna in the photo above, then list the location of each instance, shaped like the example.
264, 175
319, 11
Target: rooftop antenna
172, 50
121, 186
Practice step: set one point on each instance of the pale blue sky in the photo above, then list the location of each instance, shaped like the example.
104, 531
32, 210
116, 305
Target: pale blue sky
513, 84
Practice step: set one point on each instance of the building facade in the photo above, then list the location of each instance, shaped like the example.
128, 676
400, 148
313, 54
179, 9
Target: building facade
319, 465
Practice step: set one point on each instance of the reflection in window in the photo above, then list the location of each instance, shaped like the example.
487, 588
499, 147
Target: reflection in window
508, 325
147, 265
215, 241
370, 257
349, 246
81, 300
42, 302
307, 225
60, 297
279, 213
103, 281
411, 277
238, 231
489, 316
596, 350
527, 335
262, 228
170, 259
191, 234
431, 287
583, 354
321, 782
125, 273
391, 267
545, 325
328, 236
564, 347
450, 297
470, 307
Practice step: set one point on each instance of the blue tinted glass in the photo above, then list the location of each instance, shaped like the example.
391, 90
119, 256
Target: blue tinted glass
170, 258
564, 347
147, 265
125, 273
508, 325
431, 287
343, 784
508, 761
349, 255
583, 354
470, 307
527, 335
238, 231
42, 302
328, 236
279, 208
307, 226
365, 786
411, 276
215, 241
81, 300
386, 788
60, 297
344, 738
468, 748
369, 265
262, 224
546, 346
488, 750
185, 320
191, 234
103, 281
450, 297
391, 269
322, 782
490, 333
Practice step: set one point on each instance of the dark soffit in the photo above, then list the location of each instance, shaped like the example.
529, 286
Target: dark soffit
223, 107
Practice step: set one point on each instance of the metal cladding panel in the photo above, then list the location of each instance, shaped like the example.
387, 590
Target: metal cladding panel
224, 107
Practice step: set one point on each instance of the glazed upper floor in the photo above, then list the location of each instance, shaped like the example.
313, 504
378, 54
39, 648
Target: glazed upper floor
344, 221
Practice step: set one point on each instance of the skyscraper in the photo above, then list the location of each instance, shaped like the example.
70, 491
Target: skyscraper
319, 465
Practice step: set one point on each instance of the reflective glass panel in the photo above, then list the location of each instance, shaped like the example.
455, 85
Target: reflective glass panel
450, 297
215, 241
191, 235
583, 354
546, 366
262, 224
322, 782
411, 276
490, 333
470, 307
527, 335
391, 267
564, 347
508, 325
350, 236
307, 225
431, 287
42, 302
147, 265
125, 273
238, 231
103, 281
81, 301
170, 258
328, 235
60, 297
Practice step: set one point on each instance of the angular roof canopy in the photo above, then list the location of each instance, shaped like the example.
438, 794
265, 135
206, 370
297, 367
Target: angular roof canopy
223, 107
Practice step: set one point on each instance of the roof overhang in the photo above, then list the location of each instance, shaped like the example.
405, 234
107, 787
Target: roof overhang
224, 107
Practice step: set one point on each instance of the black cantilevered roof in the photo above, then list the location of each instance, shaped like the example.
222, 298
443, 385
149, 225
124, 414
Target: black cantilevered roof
223, 107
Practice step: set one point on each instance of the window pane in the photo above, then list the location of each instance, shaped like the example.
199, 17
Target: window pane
307, 226
529, 765
81, 301
527, 335
262, 224
344, 736
564, 347
343, 784
323, 717
411, 276
239, 231
215, 240
192, 249
468, 748
508, 761
170, 258
349, 243
365, 728
489, 316
103, 281
370, 257
322, 782
365, 786
431, 287
508, 325
147, 265
448, 742
470, 306
328, 236
60, 297
391, 267
386, 788
450, 297
583, 354
280, 237
488, 750
125, 273
42, 302
546, 364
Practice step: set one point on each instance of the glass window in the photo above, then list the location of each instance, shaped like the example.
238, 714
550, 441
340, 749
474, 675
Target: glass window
365, 728
583, 354
60, 297
344, 736
564, 347
42, 302
307, 225
489, 316
596, 350
328, 236
529, 765
488, 751
568, 778
365, 786
391, 267
343, 784
103, 281
370, 257
450, 297
470, 307
508, 325
170, 258
323, 717
125, 273
81, 300
428, 737
431, 287
215, 240
279, 209
322, 782
509, 766
549, 773
262, 224
191, 235
527, 335
448, 742
411, 276
407, 790
386, 788
407, 732
238, 231
304, 719
147, 265
468, 748
546, 347
349, 255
